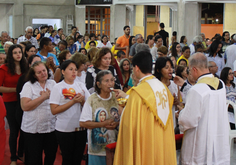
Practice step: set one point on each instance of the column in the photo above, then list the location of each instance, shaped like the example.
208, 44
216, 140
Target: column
174, 19
139, 20
192, 20
18, 19
165, 18
117, 21
80, 17
229, 13
181, 19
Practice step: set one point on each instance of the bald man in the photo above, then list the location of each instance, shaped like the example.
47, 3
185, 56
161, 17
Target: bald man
213, 68
204, 119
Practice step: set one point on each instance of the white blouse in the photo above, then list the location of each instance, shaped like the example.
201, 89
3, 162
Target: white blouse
39, 120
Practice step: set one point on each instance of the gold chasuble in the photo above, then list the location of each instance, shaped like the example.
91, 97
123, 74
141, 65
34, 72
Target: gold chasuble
146, 134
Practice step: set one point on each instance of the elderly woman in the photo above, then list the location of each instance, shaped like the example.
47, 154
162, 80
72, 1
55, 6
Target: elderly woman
102, 61
100, 116
7, 45
67, 99
38, 123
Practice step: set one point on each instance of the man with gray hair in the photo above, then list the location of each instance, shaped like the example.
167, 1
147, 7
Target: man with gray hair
204, 119
28, 37
230, 54
4, 38
213, 68
139, 39
196, 40
142, 47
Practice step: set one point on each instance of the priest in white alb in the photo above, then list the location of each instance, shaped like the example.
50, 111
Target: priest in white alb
204, 119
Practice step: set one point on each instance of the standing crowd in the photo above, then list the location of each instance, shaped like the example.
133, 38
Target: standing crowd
64, 91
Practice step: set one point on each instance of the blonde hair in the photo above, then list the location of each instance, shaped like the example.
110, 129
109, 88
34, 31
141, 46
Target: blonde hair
79, 58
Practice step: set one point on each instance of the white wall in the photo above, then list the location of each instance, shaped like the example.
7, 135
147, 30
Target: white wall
5, 13
48, 22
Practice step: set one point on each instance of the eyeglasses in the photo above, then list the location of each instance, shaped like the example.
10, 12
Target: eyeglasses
231, 73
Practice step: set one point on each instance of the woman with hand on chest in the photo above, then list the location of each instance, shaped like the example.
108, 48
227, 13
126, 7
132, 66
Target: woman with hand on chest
38, 123
66, 101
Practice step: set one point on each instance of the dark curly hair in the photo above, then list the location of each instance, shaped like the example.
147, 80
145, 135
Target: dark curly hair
10, 62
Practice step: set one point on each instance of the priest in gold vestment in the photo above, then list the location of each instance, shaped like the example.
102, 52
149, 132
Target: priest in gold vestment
146, 134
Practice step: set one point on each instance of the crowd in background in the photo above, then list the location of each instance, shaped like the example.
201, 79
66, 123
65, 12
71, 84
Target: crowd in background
53, 85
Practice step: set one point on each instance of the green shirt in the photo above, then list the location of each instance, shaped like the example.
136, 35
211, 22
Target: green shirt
1, 48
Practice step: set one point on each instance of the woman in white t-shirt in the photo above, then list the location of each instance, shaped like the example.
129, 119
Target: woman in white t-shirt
38, 123
163, 71
100, 116
104, 43
80, 59
66, 101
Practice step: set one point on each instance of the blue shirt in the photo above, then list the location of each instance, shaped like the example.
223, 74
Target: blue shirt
43, 58
72, 49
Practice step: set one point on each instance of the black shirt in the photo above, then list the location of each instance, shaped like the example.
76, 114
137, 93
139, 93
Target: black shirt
163, 34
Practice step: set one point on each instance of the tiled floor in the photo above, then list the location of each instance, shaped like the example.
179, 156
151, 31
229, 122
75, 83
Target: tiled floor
7, 155
232, 159
59, 158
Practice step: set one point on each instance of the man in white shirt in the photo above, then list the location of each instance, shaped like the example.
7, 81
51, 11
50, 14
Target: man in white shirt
204, 119
230, 54
28, 37
196, 40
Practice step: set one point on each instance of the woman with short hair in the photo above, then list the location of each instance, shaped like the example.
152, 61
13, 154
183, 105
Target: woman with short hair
163, 72
100, 116
66, 100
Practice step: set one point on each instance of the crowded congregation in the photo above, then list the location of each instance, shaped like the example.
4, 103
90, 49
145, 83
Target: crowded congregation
131, 101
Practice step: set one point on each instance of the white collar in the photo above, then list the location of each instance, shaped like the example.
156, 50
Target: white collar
103, 98
205, 75
26, 38
144, 77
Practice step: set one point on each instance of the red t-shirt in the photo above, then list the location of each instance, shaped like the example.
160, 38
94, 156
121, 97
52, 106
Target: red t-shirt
8, 80
2, 115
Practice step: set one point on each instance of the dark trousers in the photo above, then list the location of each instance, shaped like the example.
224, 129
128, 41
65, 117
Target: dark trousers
14, 129
72, 145
35, 144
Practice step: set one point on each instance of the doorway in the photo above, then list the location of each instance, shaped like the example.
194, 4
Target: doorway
98, 20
